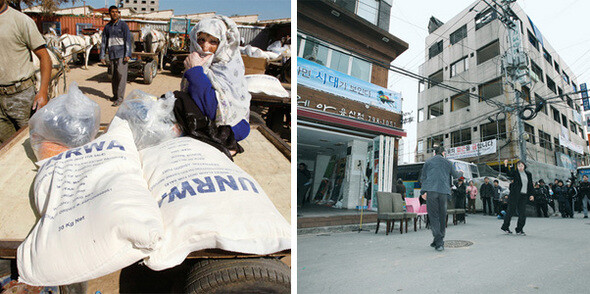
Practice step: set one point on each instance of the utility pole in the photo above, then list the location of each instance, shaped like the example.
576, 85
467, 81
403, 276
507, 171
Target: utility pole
514, 64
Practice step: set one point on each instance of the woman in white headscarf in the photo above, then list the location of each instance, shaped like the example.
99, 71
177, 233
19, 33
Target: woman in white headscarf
215, 75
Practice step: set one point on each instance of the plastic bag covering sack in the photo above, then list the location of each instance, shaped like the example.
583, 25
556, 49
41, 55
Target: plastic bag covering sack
266, 84
97, 215
151, 119
259, 53
68, 121
207, 201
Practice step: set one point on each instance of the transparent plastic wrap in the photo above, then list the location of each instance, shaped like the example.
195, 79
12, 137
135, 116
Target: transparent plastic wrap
151, 119
68, 121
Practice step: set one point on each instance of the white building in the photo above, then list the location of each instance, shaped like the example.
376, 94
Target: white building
466, 53
140, 6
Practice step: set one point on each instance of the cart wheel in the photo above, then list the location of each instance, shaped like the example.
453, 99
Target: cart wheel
249, 275
149, 72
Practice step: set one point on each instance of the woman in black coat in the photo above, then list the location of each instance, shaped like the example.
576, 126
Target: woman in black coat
521, 192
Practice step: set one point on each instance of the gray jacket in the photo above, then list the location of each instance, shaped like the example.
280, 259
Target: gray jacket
436, 175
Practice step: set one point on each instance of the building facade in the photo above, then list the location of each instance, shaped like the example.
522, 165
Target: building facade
466, 53
140, 6
349, 124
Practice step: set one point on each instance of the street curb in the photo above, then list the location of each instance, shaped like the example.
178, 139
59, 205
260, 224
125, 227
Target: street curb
335, 229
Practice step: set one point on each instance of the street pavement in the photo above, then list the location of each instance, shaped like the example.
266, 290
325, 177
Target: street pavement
554, 257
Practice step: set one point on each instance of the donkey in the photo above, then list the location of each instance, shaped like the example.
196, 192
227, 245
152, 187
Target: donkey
71, 44
155, 42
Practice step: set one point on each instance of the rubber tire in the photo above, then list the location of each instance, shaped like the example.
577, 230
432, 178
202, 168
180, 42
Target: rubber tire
149, 73
248, 275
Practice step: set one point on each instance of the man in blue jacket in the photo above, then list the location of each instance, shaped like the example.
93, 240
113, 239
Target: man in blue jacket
116, 37
436, 188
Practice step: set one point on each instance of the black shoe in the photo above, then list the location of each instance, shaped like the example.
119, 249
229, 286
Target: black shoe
521, 233
585, 216
440, 248
117, 103
432, 245
507, 231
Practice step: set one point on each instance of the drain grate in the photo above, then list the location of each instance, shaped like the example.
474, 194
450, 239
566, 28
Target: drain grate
457, 243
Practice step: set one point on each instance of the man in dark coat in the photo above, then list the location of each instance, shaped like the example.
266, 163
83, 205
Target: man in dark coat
459, 194
400, 188
487, 192
585, 194
542, 199
521, 191
436, 176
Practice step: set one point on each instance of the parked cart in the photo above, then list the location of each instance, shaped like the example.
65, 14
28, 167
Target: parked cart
142, 64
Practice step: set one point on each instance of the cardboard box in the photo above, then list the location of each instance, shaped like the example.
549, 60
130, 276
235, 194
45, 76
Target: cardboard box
254, 65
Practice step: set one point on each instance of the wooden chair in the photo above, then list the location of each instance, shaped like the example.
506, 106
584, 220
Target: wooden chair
385, 212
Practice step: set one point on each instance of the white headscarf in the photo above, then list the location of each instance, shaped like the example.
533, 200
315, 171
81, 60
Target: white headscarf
225, 69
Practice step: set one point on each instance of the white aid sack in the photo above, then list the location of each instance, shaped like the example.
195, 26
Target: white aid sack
207, 201
97, 214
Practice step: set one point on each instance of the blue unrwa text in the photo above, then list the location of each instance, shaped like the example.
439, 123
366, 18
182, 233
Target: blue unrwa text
87, 149
209, 184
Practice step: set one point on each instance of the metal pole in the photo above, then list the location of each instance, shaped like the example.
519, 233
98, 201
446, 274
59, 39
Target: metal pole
498, 144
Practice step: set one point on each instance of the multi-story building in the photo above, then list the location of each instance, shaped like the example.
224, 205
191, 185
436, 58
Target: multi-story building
349, 124
140, 6
466, 53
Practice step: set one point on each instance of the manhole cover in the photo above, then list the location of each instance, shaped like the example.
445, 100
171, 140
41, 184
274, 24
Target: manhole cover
457, 243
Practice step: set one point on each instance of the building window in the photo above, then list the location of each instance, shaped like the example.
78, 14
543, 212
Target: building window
435, 49
143, 2
483, 18
556, 66
420, 146
544, 140
565, 77
536, 72
376, 12
421, 115
435, 78
459, 35
459, 66
581, 132
538, 100
564, 120
547, 56
152, 9
143, 9
421, 86
434, 142
488, 131
575, 87
461, 137
556, 114
558, 147
488, 52
153, 2
533, 40
360, 69
314, 51
460, 100
577, 108
569, 100
560, 92
435, 110
531, 131
490, 89
526, 94
573, 127
368, 9
551, 84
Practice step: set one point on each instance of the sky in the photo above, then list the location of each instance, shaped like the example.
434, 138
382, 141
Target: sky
562, 24
266, 9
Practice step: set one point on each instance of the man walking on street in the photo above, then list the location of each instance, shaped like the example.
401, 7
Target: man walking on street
487, 192
19, 37
116, 37
585, 194
436, 188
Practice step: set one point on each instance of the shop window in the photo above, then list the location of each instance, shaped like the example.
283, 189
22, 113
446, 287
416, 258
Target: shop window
435, 49
458, 35
526, 94
490, 89
435, 110
551, 84
435, 78
536, 72
531, 131
461, 137
565, 77
556, 114
421, 115
459, 66
489, 131
547, 56
533, 40
545, 140
434, 142
485, 17
459, 101
488, 52
557, 69
538, 100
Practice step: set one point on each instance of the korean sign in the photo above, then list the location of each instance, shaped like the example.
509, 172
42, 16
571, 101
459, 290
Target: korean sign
472, 150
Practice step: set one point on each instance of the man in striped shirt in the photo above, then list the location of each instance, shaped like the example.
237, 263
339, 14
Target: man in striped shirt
116, 37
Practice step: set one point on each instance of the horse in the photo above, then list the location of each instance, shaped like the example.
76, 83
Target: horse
155, 42
71, 44
51, 38
57, 71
